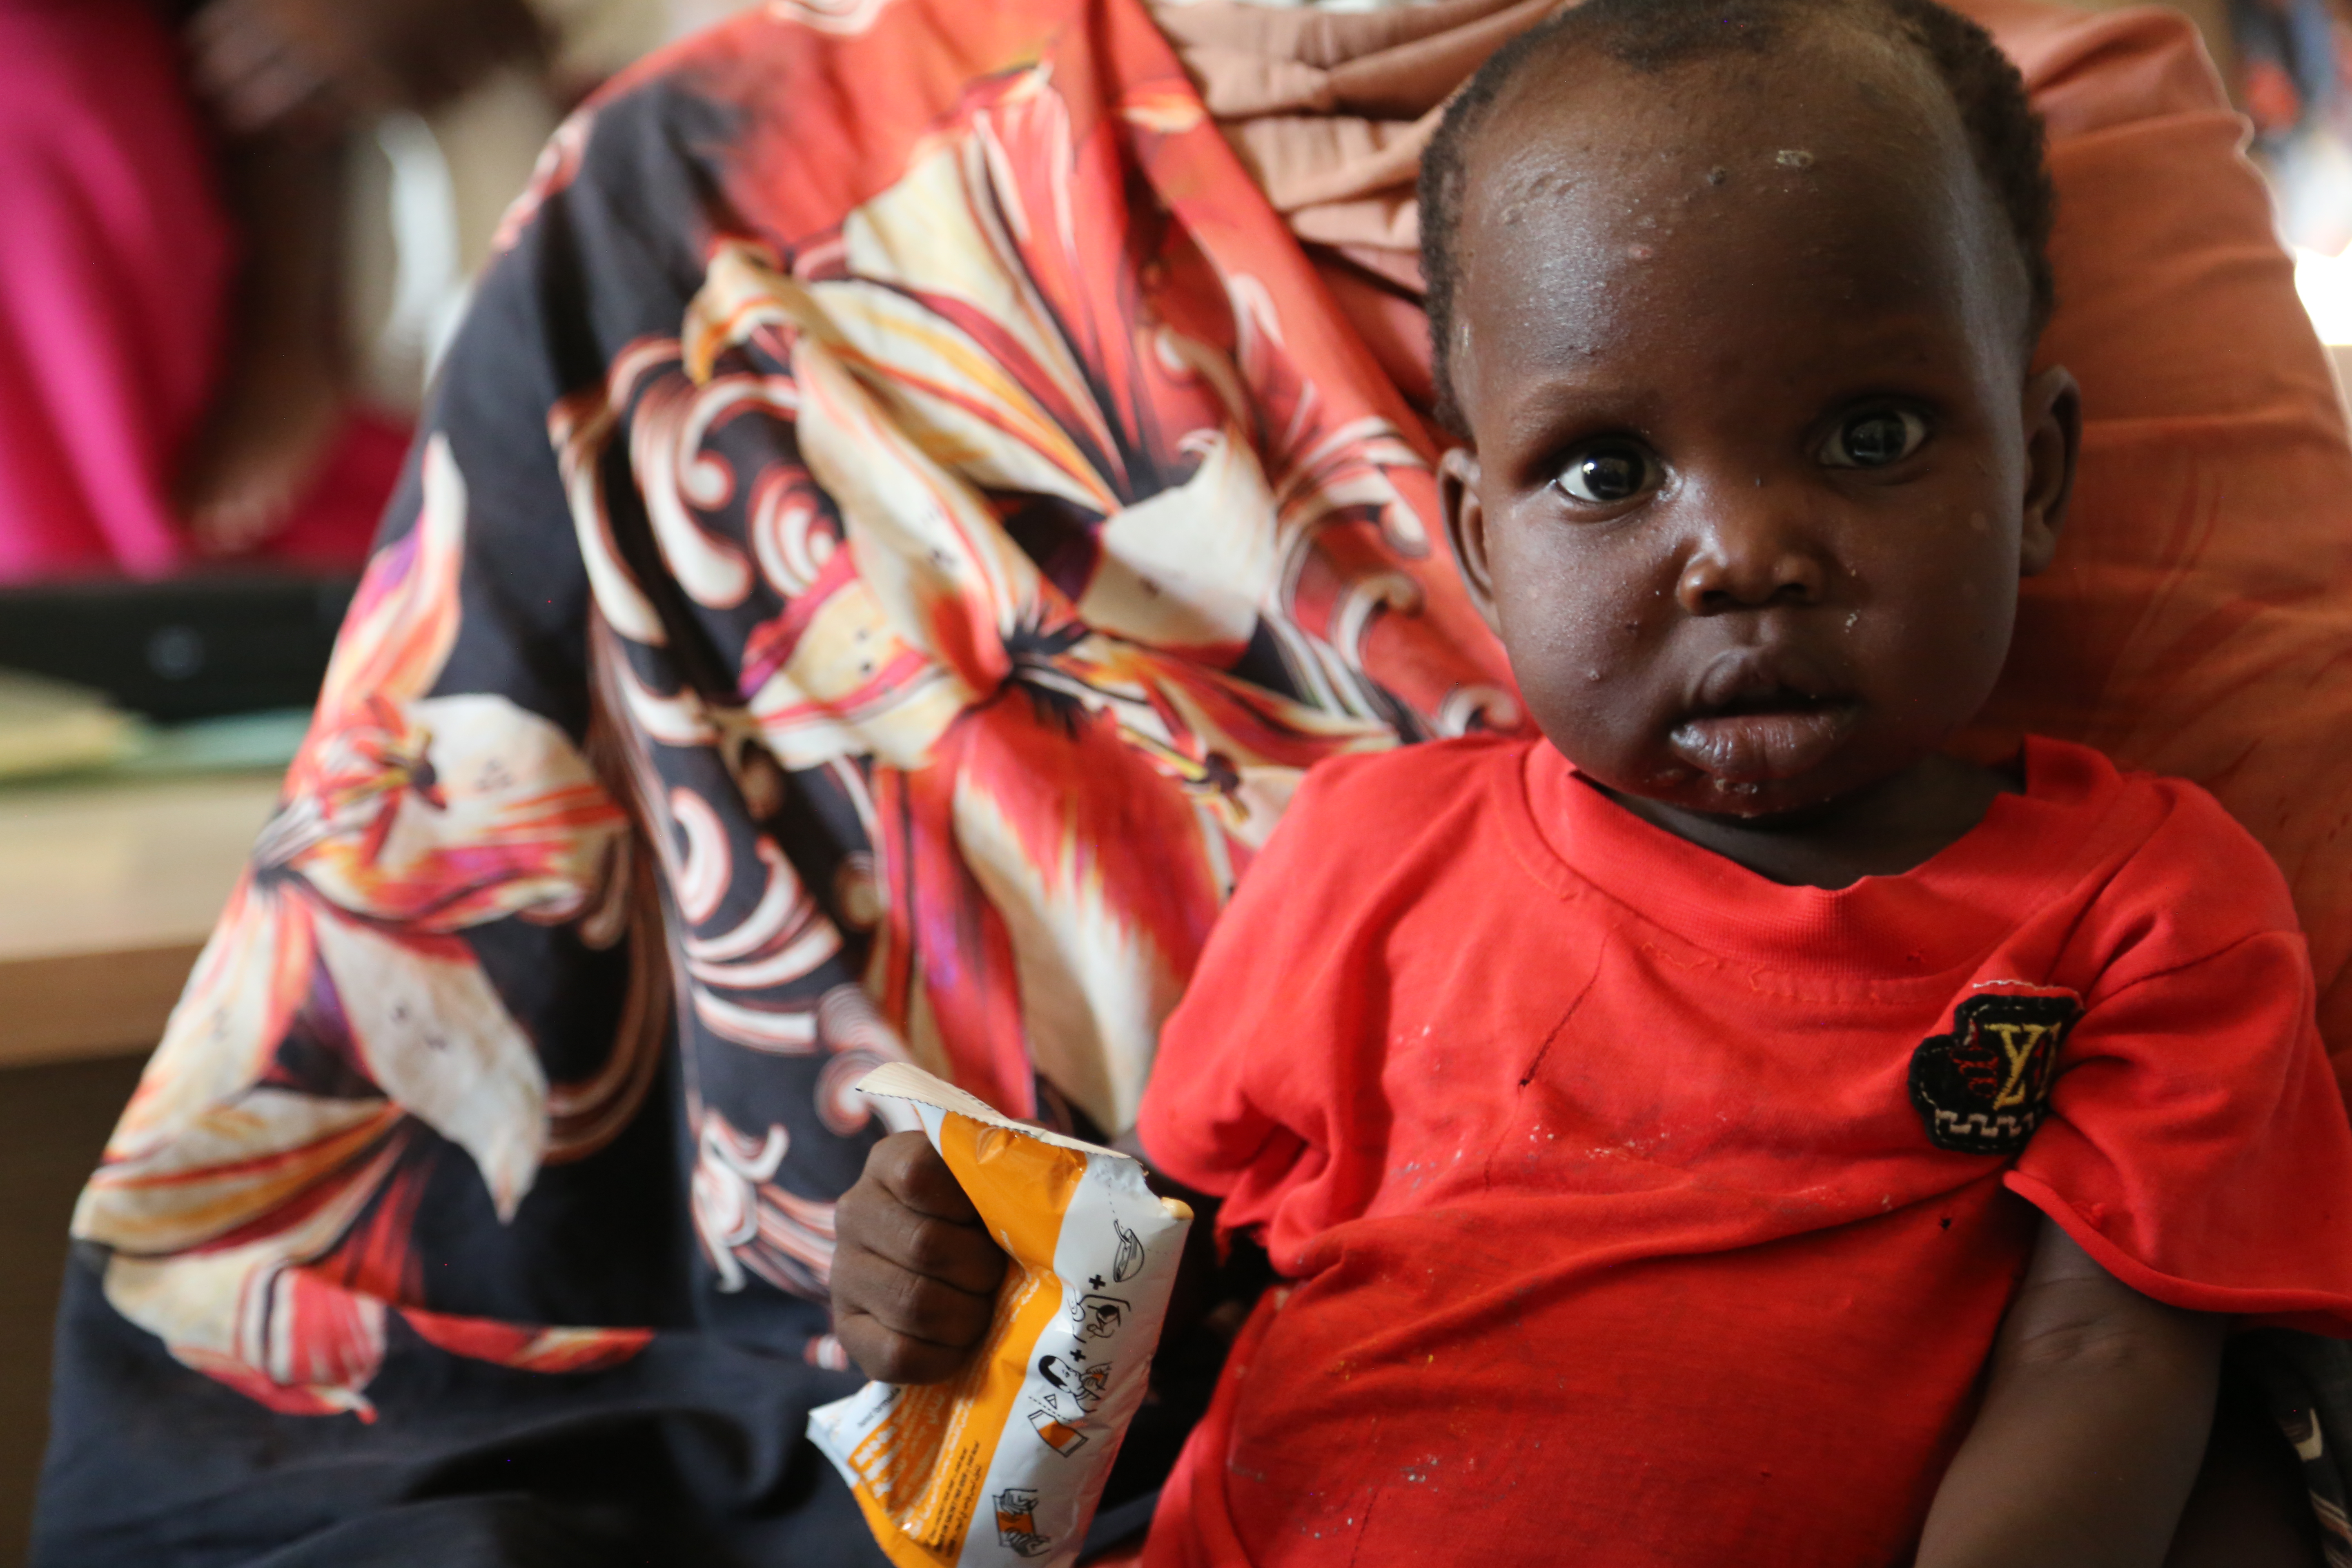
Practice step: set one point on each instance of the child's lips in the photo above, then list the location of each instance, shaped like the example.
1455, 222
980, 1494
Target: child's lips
1760, 713
1762, 745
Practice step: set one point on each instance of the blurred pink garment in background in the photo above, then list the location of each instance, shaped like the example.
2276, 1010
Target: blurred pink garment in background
115, 275
112, 286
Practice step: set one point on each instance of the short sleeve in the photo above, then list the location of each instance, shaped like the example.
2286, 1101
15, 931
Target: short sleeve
2197, 1144
1247, 1098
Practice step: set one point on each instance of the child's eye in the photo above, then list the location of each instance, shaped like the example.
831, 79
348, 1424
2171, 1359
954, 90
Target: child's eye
1604, 475
1875, 439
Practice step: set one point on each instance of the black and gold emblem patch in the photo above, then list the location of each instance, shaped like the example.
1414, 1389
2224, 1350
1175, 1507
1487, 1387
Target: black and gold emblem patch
1985, 1087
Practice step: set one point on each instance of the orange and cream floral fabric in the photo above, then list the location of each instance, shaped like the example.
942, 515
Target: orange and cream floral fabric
929, 576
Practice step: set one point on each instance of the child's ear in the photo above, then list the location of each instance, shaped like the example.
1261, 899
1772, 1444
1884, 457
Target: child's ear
1466, 528
2053, 416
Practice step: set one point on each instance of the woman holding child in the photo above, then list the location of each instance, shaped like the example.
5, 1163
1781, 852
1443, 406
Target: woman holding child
1718, 1123
1638, 1116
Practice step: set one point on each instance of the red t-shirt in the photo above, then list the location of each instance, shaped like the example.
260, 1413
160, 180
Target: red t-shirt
1637, 1210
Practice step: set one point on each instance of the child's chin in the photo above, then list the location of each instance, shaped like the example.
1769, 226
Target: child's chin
1760, 803
1752, 802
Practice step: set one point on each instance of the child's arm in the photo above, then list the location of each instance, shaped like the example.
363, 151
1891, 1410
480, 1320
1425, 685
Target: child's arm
2095, 1420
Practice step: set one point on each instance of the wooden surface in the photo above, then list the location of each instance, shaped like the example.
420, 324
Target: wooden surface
107, 893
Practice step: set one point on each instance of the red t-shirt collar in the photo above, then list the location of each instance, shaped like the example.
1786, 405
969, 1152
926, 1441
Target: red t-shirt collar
1937, 917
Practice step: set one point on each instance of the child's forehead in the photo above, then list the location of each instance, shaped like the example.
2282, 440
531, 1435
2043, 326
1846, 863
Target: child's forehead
1843, 148
1831, 91
1814, 208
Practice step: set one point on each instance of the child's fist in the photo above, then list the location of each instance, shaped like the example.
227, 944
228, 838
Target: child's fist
914, 1272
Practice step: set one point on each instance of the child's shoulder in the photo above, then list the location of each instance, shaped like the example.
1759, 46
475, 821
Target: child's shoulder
1367, 817
1403, 786
2171, 842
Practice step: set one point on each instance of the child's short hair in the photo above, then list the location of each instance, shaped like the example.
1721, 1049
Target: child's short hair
2004, 132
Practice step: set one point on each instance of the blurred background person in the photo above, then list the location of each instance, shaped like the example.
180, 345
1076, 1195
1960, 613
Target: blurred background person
197, 362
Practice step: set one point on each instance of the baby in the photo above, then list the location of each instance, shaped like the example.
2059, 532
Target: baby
1730, 1129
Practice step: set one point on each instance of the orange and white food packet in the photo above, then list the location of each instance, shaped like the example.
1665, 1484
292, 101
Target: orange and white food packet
1005, 1463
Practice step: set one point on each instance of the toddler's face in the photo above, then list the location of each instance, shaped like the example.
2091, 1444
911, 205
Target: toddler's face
1755, 463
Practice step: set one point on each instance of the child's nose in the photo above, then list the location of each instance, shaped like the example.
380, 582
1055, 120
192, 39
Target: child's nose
1748, 557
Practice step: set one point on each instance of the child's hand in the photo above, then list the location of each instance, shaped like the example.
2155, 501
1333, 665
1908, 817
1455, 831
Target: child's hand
914, 1272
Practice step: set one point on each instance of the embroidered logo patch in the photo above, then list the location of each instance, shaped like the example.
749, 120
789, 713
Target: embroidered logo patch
1985, 1087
